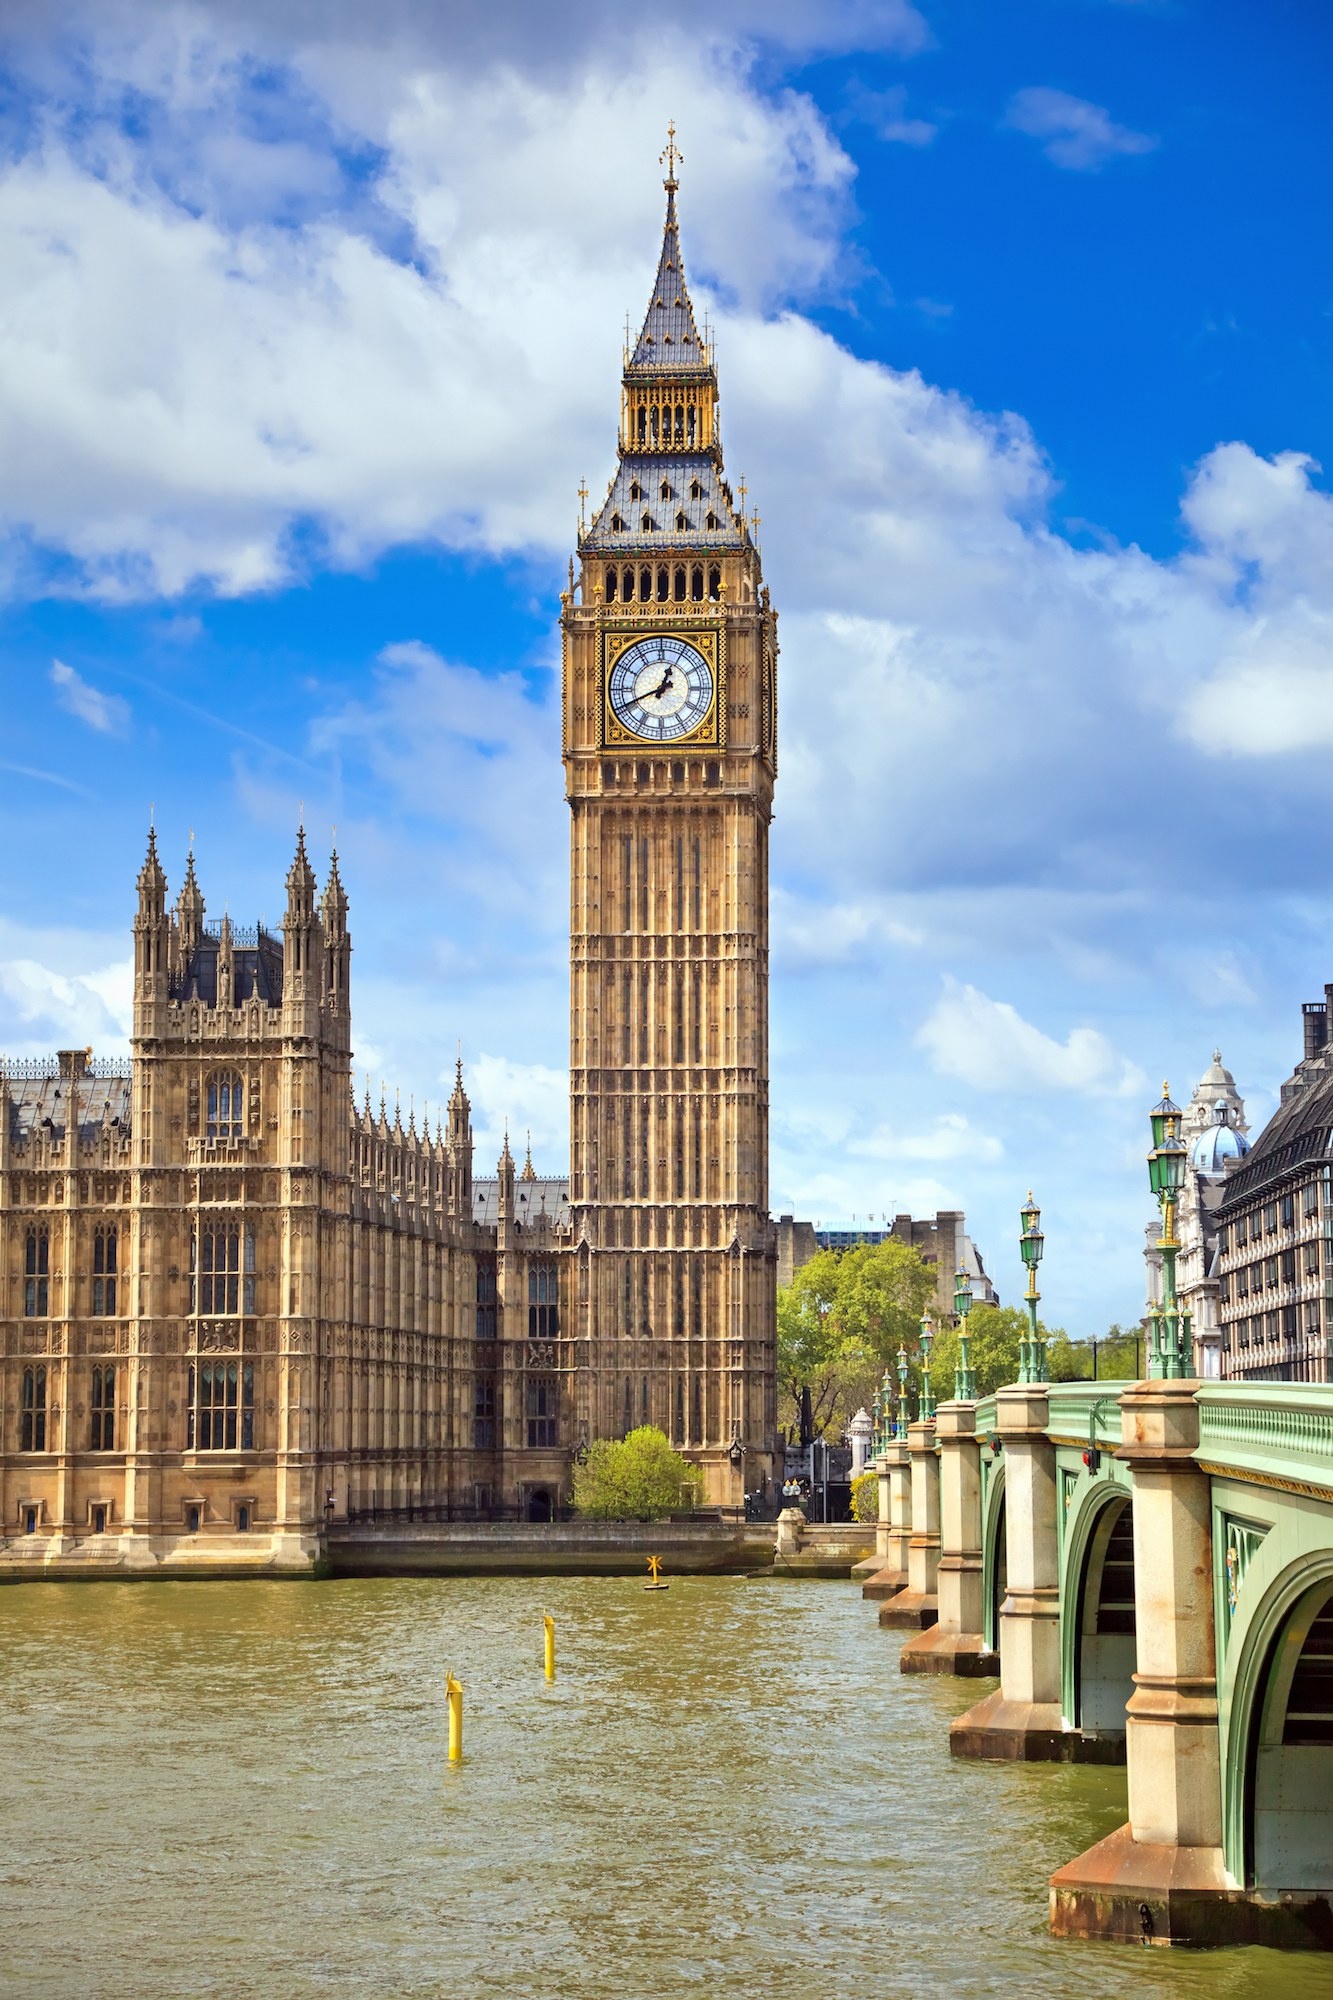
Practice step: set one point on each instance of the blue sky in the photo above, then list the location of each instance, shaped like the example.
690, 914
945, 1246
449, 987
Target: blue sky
312, 327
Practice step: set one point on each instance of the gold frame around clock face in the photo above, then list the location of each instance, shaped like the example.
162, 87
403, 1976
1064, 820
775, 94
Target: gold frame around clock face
706, 640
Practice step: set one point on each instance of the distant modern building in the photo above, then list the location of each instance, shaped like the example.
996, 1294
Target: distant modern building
1214, 1128
1277, 1202
942, 1240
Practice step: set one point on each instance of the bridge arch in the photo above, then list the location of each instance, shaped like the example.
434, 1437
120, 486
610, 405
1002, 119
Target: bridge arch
1277, 1749
1097, 1621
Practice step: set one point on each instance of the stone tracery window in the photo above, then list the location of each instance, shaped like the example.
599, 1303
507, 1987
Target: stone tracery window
222, 1268
221, 1412
226, 1105
106, 1239
103, 1407
36, 1274
542, 1405
543, 1302
32, 1417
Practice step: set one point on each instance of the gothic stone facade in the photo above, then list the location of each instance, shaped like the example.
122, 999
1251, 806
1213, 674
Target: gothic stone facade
231, 1300
233, 1304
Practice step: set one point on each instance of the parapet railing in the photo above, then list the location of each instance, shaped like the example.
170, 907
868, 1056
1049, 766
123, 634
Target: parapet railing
1281, 1429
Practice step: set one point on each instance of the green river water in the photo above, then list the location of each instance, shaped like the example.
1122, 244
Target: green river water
240, 1789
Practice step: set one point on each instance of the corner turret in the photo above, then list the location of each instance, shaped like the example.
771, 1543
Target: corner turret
458, 1151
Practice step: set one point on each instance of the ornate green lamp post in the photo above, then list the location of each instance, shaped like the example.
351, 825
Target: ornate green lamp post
877, 1434
886, 1401
1170, 1342
1032, 1366
926, 1401
964, 1380
900, 1420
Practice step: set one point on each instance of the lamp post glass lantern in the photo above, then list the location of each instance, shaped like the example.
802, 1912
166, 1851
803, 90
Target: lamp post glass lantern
964, 1380
1033, 1365
1170, 1355
926, 1403
900, 1419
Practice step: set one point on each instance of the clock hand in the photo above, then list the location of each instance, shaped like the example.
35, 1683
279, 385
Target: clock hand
661, 687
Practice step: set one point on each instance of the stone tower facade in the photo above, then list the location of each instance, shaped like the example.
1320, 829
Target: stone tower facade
234, 1304
670, 656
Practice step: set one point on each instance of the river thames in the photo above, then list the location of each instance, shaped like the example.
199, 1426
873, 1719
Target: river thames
240, 1789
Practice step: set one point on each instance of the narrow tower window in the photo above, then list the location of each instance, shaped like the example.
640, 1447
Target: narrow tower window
714, 582
32, 1421
678, 581
104, 1270
612, 585
103, 1406
36, 1276
629, 584
697, 583
663, 585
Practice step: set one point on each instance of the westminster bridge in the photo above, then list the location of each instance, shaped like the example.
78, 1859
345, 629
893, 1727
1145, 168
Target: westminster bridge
1148, 1568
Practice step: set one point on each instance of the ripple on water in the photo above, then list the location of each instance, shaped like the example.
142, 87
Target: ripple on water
240, 1790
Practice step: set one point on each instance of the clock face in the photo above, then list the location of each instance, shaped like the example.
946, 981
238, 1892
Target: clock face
661, 688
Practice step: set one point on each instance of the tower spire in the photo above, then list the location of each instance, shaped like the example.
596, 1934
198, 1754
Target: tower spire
668, 341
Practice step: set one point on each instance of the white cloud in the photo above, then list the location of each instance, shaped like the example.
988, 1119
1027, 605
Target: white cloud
1078, 134
63, 989
951, 1137
986, 1043
106, 713
885, 112
530, 1099
455, 393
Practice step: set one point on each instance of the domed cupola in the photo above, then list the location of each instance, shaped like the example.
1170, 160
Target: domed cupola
1218, 1144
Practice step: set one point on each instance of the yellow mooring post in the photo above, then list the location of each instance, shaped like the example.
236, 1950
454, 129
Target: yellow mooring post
454, 1691
548, 1626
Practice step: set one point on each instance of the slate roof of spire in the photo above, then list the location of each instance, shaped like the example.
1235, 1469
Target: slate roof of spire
669, 340
681, 472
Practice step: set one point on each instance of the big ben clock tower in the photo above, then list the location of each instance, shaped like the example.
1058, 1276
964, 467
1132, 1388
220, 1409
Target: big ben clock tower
670, 652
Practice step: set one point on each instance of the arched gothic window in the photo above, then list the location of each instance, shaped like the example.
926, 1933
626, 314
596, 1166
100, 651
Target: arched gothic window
714, 581
697, 583
32, 1419
36, 1275
220, 1415
678, 584
105, 1254
612, 585
543, 1302
222, 1268
103, 1406
226, 1105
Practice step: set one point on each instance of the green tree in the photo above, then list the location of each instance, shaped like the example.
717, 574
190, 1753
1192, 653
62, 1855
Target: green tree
995, 1337
840, 1323
635, 1478
865, 1498
1121, 1356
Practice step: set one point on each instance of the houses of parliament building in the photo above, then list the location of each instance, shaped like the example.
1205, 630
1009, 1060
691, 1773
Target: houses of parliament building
236, 1305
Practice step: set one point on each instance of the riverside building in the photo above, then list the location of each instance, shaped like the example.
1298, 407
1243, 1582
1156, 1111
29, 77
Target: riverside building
235, 1304
1274, 1224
